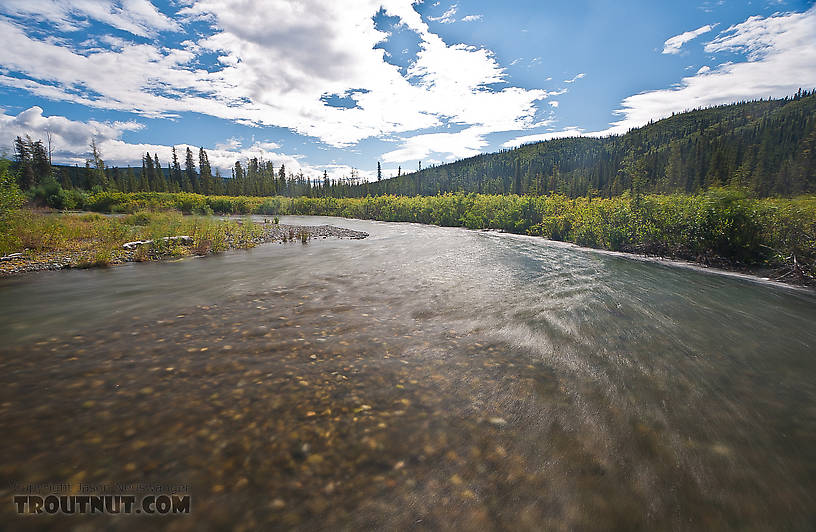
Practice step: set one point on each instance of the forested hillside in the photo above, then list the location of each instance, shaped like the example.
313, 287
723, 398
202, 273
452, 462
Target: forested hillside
767, 146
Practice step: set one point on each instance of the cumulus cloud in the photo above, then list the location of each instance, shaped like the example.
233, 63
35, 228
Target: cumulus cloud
465, 143
269, 74
673, 45
576, 78
69, 137
526, 139
472, 18
780, 51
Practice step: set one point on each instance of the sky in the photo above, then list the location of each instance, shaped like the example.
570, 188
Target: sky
340, 85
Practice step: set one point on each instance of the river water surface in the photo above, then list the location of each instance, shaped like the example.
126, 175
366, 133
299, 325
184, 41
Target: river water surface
425, 377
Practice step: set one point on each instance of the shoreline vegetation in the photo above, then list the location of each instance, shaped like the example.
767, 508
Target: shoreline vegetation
730, 186
53, 241
721, 227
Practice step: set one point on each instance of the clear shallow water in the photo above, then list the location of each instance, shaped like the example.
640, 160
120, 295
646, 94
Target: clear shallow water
509, 382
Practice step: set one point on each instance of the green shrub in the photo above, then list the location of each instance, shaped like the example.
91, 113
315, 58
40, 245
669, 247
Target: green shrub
49, 193
11, 199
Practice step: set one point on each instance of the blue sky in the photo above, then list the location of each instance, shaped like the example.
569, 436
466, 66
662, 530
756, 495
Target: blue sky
326, 85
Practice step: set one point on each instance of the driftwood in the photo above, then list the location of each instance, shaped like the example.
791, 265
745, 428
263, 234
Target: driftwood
177, 239
12, 256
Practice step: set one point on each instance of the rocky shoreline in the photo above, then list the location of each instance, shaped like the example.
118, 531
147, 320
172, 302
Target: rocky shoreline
33, 261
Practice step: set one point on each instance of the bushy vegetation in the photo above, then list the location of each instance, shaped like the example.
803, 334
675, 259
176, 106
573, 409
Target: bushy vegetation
10, 201
98, 239
723, 226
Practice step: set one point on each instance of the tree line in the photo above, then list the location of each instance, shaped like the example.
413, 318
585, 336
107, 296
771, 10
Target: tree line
766, 146
254, 177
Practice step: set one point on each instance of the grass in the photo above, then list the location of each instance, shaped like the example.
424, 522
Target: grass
723, 227
96, 240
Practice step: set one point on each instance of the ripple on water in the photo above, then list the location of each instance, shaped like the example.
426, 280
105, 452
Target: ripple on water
425, 375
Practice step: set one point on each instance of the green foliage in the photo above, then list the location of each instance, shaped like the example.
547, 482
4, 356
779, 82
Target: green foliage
720, 226
10, 201
48, 193
723, 226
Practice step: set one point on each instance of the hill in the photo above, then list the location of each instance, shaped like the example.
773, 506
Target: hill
767, 146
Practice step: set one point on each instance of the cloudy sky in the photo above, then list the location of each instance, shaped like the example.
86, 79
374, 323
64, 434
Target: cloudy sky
327, 84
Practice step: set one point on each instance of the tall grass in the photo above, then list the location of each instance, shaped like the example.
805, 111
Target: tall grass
103, 236
720, 226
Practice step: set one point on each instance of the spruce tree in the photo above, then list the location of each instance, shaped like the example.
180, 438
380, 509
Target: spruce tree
22, 154
282, 180
190, 173
205, 171
175, 172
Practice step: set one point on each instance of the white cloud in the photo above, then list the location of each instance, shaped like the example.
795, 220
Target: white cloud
554, 103
674, 44
230, 144
275, 74
472, 18
71, 140
526, 139
69, 137
780, 55
139, 17
576, 78
447, 17
465, 143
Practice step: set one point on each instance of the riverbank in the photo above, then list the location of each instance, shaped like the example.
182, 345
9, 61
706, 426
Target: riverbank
720, 227
52, 241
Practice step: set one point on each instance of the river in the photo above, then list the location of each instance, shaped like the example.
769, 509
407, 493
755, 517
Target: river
425, 377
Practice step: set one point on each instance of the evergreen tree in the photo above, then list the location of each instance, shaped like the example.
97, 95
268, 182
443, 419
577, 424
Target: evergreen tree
175, 172
205, 171
132, 182
149, 171
218, 184
39, 161
282, 180
190, 173
25, 169
161, 181
96, 168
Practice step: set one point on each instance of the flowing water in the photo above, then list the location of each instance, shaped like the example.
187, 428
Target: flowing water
424, 377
